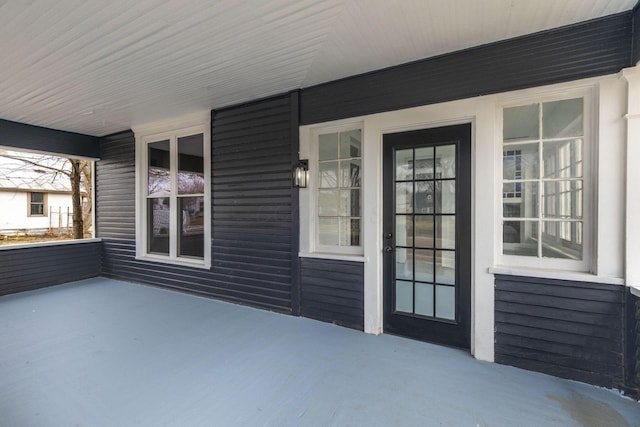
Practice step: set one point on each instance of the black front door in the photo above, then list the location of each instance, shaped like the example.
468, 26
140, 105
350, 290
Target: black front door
427, 234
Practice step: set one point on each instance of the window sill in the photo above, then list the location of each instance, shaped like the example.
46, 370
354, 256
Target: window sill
44, 244
176, 262
555, 274
337, 257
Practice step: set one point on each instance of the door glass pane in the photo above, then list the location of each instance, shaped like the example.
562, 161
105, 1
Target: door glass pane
424, 163
404, 230
520, 238
562, 119
446, 302
349, 232
328, 174
521, 123
446, 267
424, 197
328, 146
350, 144
404, 263
446, 161
328, 231
191, 165
404, 197
424, 299
424, 231
562, 199
404, 165
350, 173
562, 239
562, 159
520, 161
158, 223
520, 200
446, 232
446, 197
424, 265
404, 296
191, 233
158, 178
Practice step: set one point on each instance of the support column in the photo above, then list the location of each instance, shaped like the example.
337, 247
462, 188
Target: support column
632, 217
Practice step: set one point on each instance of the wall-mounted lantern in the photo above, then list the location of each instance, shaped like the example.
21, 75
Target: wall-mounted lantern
301, 174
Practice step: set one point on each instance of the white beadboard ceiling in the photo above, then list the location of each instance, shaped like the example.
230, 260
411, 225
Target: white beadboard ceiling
98, 67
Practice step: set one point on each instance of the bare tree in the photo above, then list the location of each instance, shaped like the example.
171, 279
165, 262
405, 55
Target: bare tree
47, 169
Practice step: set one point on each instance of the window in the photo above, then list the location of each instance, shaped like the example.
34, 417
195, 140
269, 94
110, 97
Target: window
173, 215
37, 204
544, 185
339, 194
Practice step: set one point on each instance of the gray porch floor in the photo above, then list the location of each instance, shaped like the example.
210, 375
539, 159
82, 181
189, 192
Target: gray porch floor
106, 353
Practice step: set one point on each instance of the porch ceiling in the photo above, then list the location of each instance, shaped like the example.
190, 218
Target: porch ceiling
99, 67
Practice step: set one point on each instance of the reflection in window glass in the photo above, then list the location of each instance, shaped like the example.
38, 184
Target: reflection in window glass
191, 165
446, 302
563, 159
159, 178
191, 223
328, 146
328, 231
562, 239
404, 296
339, 197
175, 219
543, 179
404, 165
562, 119
36, 206
350, 144
158, 223
521, 123
520, 238
445, 161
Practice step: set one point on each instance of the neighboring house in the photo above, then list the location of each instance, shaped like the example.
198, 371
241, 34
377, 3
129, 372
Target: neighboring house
32, 200
483, 199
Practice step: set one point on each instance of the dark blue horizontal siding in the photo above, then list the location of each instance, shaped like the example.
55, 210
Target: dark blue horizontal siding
588, 49
567, 329
332, 291
251, 210
29, 137
26, 269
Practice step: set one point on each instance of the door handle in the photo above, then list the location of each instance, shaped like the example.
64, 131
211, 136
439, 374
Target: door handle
388, 249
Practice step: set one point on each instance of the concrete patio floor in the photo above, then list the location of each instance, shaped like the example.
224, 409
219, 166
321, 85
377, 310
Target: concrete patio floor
101, 352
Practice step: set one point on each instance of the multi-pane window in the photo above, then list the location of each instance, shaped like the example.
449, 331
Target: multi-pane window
36, 204
175, 197
543, 179
339, 198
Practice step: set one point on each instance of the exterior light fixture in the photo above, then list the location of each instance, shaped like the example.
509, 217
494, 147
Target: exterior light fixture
301, 174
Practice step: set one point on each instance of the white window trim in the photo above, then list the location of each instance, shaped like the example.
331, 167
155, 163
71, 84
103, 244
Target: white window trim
145, 134
588, 262
314, 249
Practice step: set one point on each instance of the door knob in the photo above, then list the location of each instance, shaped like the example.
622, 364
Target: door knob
388, 249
